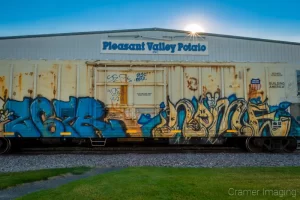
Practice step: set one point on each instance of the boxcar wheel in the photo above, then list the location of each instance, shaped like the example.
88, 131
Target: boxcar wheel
5, 145
290, 145
254, 145
241, 144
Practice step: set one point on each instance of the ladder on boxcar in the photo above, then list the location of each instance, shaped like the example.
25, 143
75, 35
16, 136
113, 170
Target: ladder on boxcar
98, 142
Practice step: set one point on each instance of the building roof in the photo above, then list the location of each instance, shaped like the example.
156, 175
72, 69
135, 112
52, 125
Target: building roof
145, 29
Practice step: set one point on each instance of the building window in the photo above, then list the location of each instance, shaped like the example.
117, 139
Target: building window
298, 82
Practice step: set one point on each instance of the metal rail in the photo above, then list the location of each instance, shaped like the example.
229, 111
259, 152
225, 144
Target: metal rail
125, 150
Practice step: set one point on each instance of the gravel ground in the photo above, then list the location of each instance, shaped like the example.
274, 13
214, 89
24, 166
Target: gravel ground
13, 163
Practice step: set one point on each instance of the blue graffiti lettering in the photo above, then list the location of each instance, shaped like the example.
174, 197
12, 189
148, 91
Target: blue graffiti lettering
141, 76
43, 117
20, 121
82, 117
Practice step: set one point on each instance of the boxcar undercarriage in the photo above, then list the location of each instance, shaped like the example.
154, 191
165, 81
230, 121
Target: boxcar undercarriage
249, 144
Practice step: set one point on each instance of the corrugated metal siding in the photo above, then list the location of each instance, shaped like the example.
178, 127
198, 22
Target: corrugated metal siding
87, 47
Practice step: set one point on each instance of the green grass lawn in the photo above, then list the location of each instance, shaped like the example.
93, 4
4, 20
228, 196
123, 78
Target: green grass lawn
179, 183
15, 178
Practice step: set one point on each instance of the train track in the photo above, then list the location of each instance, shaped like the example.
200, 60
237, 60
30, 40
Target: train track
127, 150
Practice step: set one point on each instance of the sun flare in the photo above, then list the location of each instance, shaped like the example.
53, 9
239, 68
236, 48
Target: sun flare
194, 28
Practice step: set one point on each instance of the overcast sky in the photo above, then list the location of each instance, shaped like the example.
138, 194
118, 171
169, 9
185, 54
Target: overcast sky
270, 19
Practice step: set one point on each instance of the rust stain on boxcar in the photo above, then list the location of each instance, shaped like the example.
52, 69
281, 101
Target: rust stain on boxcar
192, 83
253, 93
30, 92
54, 89
54, 92
234, 71
219, 90
3, 87
204, 89
69, 67
88, 77
31, 73
217, 68
5, 94
20, 83
55, 66
221, 66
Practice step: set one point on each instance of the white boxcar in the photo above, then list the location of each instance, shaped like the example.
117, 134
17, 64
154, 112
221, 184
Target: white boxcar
148, 97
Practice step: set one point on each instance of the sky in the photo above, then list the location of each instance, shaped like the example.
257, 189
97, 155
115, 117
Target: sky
269, 19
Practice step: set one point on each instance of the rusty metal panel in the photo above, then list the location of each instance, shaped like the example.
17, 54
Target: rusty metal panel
175, 83
211, 80
192, 85
233, 81
84, 82
47, 81
68, 80
4, 79
23, 80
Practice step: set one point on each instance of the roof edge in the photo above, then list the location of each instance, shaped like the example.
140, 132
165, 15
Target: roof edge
146, 29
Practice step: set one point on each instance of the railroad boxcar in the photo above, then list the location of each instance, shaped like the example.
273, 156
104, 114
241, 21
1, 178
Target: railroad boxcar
150, 86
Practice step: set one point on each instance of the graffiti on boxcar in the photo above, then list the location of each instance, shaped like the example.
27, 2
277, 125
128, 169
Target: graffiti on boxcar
213, 116
118, 78
192, 83
212, 99
4, 117
114, 94
140, 76
39, 117
127, 78
208, 116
